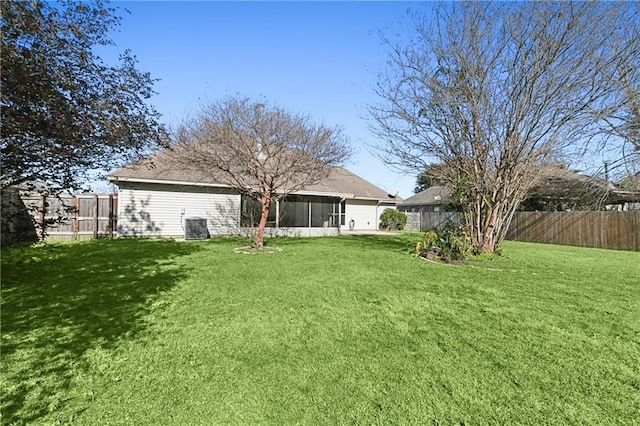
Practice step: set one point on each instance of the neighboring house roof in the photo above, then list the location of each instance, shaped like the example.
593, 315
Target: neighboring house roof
558, 180
630, 183
628, 189
434, 195
561, 185
160, 168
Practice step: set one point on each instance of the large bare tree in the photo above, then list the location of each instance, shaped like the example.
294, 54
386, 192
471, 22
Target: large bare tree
262, 150
493, 91
622, 119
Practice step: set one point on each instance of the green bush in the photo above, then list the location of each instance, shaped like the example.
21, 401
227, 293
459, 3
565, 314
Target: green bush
392, 219
451, 244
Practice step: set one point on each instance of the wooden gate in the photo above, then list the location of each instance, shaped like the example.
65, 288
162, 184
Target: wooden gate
74, 217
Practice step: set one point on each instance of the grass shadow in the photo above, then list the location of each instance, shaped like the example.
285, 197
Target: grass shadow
61, 300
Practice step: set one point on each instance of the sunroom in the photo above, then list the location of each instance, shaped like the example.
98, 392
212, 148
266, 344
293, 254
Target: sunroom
301, 212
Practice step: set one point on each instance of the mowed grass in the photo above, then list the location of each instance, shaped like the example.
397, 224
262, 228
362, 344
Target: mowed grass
346, 330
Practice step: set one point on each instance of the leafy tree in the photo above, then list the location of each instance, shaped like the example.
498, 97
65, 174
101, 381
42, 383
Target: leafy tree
493, 91
427, 178
65, 113
262, 150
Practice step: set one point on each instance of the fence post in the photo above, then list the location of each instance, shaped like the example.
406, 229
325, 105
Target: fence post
110, 224
634, 230
75, 226
43, 216
95, 215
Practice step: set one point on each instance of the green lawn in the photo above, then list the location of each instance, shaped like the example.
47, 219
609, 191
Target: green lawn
348, 330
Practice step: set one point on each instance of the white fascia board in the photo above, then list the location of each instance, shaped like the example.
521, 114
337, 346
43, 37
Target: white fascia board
343, 195
323, 194
380, 200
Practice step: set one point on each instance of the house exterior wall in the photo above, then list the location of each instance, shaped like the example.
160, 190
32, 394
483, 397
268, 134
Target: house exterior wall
159, 210
365, 214
147, 209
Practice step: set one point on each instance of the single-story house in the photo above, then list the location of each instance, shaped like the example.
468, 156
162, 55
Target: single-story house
432, 199
628, 193
561, 189
630, 183
156, 198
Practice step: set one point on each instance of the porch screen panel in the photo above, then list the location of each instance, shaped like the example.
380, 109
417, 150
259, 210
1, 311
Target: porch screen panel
250, 215
294, 212
322, 213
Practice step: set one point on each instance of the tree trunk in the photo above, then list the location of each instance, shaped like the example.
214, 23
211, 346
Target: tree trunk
488, 243
494, 223
258, 236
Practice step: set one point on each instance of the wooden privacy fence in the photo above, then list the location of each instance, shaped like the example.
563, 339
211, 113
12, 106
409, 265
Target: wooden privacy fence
77, 216
439, 220
413, 221
604, 229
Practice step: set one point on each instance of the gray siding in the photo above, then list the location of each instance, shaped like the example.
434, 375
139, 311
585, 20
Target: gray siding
159, 210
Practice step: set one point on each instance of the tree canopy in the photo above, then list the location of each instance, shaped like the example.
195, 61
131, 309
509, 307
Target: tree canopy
64, 111
494, 91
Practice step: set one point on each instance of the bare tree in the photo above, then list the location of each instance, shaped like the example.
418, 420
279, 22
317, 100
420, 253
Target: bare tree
622, 119
493, 91
621, 115
262, 150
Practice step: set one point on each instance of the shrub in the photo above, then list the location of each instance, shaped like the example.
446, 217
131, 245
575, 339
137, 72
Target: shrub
429, 247
451, 244
392, 219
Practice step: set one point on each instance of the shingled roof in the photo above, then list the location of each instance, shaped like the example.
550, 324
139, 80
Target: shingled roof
161, 168
630, 183
436, 195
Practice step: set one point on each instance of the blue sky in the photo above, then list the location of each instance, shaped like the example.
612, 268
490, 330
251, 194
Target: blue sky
319, 58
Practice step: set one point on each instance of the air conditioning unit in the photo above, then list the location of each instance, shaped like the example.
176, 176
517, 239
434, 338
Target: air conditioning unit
195, 228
